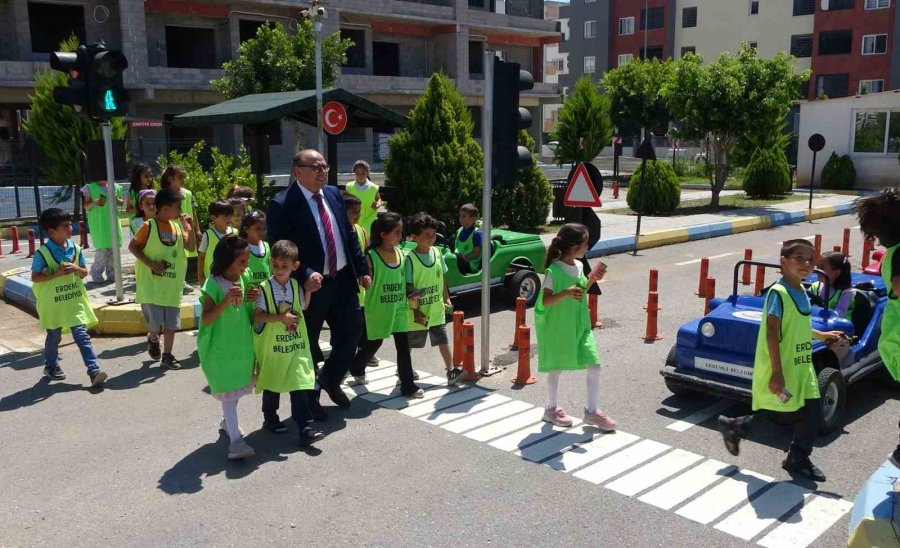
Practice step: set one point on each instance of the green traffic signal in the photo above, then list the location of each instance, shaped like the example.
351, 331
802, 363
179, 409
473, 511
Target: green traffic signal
109, 101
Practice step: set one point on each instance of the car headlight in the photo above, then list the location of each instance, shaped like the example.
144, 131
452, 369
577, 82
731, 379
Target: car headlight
708, 329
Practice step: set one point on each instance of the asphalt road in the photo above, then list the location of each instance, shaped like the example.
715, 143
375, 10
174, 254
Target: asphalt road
141, 463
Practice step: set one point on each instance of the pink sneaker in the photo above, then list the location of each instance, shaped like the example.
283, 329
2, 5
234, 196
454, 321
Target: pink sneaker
557, 416
600, 419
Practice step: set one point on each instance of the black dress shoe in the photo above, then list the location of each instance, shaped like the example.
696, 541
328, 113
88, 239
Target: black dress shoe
275, 426
337, 395
315, 408
802, 466
310, 435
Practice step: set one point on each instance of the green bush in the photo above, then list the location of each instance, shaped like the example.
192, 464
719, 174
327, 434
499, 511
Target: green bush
658, 192
524, 205
838, 173
767, 174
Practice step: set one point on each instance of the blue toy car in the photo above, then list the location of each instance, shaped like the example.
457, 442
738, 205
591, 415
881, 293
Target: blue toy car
714, 354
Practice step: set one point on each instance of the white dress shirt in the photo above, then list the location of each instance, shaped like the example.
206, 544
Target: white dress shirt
338, 241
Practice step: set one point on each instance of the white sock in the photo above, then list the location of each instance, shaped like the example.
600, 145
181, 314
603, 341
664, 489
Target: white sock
593, 388
229, 410
553, 389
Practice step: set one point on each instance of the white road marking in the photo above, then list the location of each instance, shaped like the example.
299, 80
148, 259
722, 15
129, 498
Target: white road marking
507, 425
704, 414
724, 496
755, 516
494, 414
560, 442
426, 382
805, 526
678, 490
527, 436
448, 400
403, 402
581, 455
650, 474
711, 257
622, 461
463, 409
360, 389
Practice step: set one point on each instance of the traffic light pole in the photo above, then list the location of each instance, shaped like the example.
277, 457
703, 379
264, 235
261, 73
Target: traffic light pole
113, 210
487, 131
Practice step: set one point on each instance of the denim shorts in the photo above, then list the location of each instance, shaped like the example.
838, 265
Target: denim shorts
156, 316
437, 333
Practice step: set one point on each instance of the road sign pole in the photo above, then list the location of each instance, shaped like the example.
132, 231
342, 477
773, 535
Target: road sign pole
113, 209
317, 26
486, 138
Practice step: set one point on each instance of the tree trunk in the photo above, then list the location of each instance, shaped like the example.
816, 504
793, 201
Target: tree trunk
721, 169
299, 133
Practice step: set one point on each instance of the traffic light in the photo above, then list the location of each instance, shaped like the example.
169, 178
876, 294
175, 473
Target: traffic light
508, 118
97, 89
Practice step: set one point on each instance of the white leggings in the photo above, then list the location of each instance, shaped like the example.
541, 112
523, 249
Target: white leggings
592, 380
229, 411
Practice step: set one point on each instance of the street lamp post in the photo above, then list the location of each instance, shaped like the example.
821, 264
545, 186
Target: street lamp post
316, 13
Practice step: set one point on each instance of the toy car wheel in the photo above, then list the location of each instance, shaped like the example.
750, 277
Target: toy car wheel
674, 387
523, 283
834, 398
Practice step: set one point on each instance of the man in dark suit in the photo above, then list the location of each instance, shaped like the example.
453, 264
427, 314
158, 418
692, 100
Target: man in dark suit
312, 215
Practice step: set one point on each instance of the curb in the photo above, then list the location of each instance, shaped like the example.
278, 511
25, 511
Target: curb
622, 244
872, 521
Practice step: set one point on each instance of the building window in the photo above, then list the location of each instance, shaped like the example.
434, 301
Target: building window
833, 85
653, 52
874, 44
835, 42
590, 64
50, 24
386, 58
802, 45
834, 5
871, 86
752, 45
804, 7
561, 66
247, 29
754, 7
653, 18
626, 26
190, 47
624, 58
590, 29
877, 4
356, 54
476, 58
876, 132
688, 17
687, 49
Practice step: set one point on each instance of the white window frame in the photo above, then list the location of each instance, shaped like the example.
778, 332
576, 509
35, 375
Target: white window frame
861, 82
624, 58
590, 25
887, 131
631, 26
593, 60
879, 4
874, 38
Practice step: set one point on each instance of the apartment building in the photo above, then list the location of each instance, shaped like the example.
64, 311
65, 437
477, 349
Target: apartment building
175, 47
556, 65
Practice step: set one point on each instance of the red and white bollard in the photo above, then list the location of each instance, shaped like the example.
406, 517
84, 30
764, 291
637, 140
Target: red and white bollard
14, 236
745, 274
520, 320
710, 294
704, 272
652, 332
523, 371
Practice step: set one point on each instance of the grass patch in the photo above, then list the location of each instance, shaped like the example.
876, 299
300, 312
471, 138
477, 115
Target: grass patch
731, 183
726, 203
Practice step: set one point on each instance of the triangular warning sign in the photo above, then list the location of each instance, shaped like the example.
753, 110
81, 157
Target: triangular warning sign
581, 191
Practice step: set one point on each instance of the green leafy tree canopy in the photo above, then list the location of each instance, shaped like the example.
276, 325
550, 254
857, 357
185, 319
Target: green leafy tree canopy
525, 204
635, 92
584, 127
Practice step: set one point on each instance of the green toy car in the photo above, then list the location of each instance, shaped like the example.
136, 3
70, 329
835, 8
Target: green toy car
516, 261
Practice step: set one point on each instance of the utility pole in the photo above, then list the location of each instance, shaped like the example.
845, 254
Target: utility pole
316, 13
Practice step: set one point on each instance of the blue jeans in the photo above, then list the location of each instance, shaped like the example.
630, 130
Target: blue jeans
82, 339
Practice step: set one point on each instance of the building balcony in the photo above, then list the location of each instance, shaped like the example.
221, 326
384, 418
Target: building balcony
359, 83
20, 73
435, 10
182, 78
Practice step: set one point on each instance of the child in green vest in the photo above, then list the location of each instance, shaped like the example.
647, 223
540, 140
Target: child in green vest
386, 303
240, 198
96, 207
57, 271
784, 380
468, 241
253, 229
173, 177
836, 267
220, 213
425, 278
562, 321
225, 340
281, 345
353, 205
367, 193
160, 247
879, 217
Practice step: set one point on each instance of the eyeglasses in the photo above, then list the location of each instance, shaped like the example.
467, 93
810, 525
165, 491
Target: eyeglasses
318, 168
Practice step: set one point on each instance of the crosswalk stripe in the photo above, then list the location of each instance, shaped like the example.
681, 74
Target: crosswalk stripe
425, 382
507, 425
555, 444
402, 403
622, 461
683, 487
449, 400
470, 422
382, 373
581, 455
527, 436
704, 414
465, 408
754, 517
379, 384
804, 526
724, 496
650, 474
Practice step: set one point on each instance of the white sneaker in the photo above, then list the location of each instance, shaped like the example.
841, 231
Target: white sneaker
362, 379
239, 450
223, 429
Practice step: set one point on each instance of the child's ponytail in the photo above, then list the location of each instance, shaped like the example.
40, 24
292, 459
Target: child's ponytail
570, 235
165, 180
839, 261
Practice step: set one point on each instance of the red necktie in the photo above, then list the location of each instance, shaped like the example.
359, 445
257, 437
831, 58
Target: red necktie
330, 246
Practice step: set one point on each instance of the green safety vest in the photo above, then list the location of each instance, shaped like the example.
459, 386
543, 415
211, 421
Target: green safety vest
211, 248
363, 236
386, 306
225, 346
466, 247
259, 269
284, 358
836, 298
98, 217
429, 280
889, 341
187, 208
62, 302
162, 290
367, 215
565, 339
795, 347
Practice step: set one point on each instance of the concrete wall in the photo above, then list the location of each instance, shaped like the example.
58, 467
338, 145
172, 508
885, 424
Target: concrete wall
835, 120
9, 45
